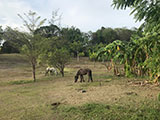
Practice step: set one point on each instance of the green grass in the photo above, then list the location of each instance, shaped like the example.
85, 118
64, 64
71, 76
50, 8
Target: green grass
94, 111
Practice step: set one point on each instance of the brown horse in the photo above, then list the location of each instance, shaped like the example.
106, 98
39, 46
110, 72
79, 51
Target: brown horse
82, 72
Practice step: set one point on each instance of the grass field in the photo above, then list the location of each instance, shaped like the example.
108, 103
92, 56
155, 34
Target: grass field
56, 98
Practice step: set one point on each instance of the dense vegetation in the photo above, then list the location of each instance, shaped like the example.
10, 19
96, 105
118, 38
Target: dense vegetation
141, 55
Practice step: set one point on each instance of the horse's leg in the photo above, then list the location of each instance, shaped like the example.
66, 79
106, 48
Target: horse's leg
81, 76
46, 72
83, 79
90, 76
50, 72
91, 79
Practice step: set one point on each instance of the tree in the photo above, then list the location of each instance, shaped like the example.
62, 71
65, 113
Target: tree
27, 42
31, 50
7, 47
48, 31
54, 53
75, 40
93, 57
104, 35
124, 34
32, 21
56, 18
142, 52
1, 34
59, 58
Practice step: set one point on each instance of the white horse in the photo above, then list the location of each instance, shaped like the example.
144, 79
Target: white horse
51, 71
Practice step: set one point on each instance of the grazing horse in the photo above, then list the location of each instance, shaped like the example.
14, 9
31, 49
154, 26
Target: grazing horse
82, 72
51, 71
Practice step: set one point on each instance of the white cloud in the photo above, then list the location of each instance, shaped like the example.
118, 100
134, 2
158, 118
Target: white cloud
92, 14
84, 14
9, 10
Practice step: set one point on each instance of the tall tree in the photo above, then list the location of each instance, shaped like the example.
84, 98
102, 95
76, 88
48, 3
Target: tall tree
54, 53
32, 22
7, 47
75, 40
104, 35
1, 34
124, 34
48, 31
28, 43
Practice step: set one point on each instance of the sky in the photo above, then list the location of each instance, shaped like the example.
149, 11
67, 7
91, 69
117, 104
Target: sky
87, 15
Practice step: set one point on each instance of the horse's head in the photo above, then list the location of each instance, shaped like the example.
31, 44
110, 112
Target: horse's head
75, 78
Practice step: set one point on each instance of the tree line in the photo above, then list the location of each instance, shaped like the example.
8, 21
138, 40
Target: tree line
78, 43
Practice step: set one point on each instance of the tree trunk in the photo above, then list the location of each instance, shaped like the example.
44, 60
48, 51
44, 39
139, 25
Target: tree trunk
77, 56
34, 71
62, 72
94, 63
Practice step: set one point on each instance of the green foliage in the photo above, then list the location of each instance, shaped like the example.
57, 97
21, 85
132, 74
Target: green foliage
1, 33
93, 56
113, 50
31, 22
54, 53
159, 97
125, 34
81, 54
104, 35
59, 58
140, 56
146, 10
151, 47
108, 35
8, 48
28, 43
48, 31
75, 40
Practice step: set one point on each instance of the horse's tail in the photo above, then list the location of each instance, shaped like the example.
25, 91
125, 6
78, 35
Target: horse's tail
90, 74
